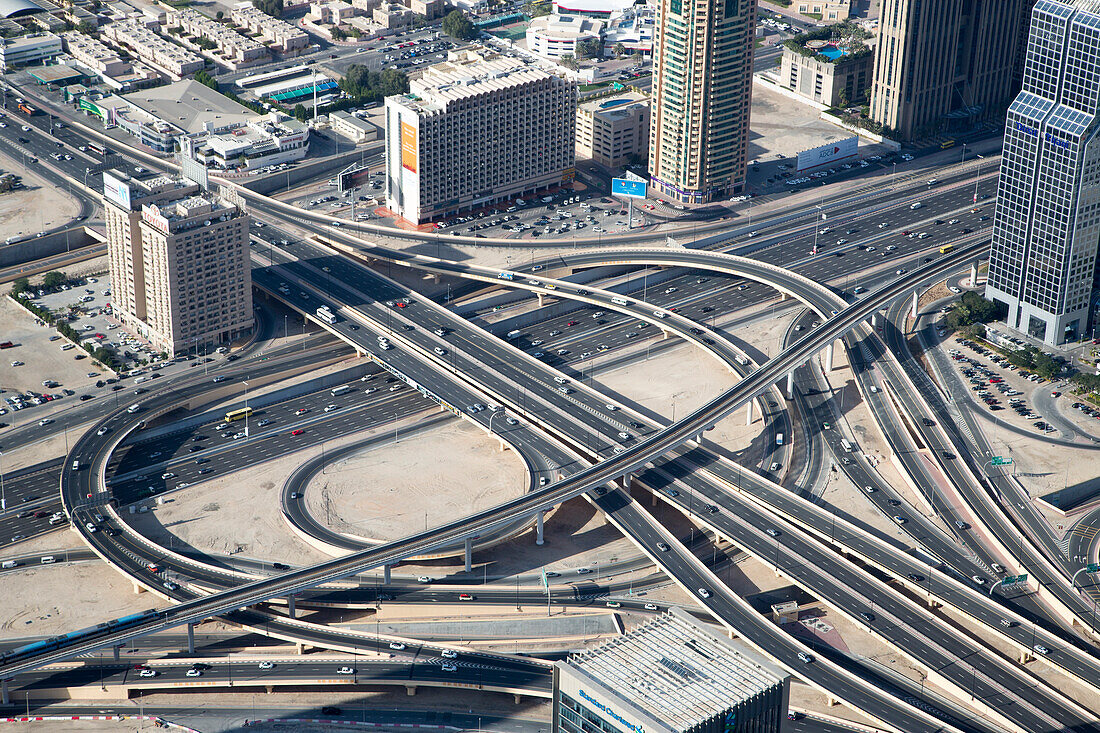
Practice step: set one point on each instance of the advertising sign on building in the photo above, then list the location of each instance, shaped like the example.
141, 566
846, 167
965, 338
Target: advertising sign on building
625, 187
116, 190
408, 147
828, 154
150, 214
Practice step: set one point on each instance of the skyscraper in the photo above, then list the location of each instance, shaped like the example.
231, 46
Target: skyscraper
1047, 224
179, 262
941, 64
702, 94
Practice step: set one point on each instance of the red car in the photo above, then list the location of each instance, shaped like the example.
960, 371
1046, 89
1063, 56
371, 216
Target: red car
572, 323
297, 432
399, 304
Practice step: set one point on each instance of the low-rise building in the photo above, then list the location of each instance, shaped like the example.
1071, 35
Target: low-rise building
288, 38
614, 131
335, 12
120, 75
159, 117
393, 16
153, 49
477, 130
29, 49
825, 73
555, 36
827, 10
353, 127
237, 50
269, 141
430, 9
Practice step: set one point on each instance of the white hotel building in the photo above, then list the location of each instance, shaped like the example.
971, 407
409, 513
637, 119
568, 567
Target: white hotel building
477, 130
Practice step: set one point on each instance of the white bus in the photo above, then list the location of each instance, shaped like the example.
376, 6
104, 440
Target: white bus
620, 301
342, 389
846, 446
326, 315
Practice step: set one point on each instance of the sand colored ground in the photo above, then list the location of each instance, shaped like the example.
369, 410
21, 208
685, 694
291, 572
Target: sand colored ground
45, 600
38, 207
425, 480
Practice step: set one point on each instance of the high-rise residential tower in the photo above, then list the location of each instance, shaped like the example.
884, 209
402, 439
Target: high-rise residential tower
1047, 224
702, 94
179, 262
944, 64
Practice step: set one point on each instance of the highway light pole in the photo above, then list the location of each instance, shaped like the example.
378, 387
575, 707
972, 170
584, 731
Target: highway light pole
3, 496
977, 178
246, 409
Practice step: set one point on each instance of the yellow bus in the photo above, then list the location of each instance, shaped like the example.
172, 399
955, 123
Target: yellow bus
947, 144
947, 248
241, 414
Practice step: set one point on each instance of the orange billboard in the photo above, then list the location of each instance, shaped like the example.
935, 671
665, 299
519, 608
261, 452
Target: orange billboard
408, 146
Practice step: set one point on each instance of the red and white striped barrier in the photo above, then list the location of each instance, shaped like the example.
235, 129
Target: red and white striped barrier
69, 718
349, 723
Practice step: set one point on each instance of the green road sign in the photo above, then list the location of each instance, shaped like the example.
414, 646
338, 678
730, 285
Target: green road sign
1001, 461
1093, 568
545, 585
1015, 579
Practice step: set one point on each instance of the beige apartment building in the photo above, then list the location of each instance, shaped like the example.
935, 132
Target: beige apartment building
477, 130
614, 131
942, 65
702, 95
179, 262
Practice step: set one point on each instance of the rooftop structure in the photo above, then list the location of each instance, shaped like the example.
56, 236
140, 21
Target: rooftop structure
593, 8
236, 50
614, 131
17, 8
832, 71
255, 145
555, 36
120, 75
29, 49
670, 675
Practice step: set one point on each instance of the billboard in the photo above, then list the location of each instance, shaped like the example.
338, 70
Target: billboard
626, 187
116, 190
828, 154
408, 146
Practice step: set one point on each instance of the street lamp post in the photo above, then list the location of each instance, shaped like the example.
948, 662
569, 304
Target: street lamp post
977, 178
246, 409
3, 496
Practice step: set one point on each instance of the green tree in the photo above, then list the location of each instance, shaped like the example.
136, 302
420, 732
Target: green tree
87, 28
205, 43
20, 285
52, 279
619, 50
1086, 382
589, 48
300, 113
568, 61
338, 33
974, 331
274, 8
534, 10
457, 25
220, 14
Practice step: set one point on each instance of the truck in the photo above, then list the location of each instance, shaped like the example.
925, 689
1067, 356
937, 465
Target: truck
515, 334
741, 360
326, 315
846, 446
506, 276
779, 438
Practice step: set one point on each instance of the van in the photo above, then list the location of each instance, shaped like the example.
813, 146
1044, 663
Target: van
779, 438
9, 564
961, 524
561, 380
916, 205
48, 560
997, 568
564, 390
76, 465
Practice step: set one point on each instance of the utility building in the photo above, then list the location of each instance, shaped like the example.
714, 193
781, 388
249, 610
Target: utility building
670, 675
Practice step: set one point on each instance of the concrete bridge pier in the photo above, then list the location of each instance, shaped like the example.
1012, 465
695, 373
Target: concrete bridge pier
540, 297
790, 385
5, 693
190, 638
469, 551
748, 413
138, 588
874, 320
973, 274
410, 690
117, 650
385, 575
539, 539
913, 311
829, 357
290, 609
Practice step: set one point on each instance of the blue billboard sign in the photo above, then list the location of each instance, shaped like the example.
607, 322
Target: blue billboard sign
626, 187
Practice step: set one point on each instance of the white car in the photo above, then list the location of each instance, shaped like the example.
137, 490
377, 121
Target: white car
147, 673
266, 665
397, 646
194, 672
954, 289
346, 670
703, 593
423, 579
449, 667
449, 654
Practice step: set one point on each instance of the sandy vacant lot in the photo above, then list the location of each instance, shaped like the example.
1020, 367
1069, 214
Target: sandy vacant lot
52, 599
38, 207
395, 489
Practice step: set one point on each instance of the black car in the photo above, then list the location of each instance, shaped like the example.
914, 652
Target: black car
280, 566
330, 710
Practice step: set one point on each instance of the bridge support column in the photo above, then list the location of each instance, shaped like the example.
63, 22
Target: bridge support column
540, 297
435, 278
829, 357
784, 296
385, 575
665, 335
270, 689
627, 481
913, 311
299, 648
5, 694
973, 274
832, 701
539, 539
469, 551
117, 651
290, 609
790, 385
1025, 657
748, 413
874, 320
503, 445
517, 697
410, 690
138, 589
933, 603
190, 638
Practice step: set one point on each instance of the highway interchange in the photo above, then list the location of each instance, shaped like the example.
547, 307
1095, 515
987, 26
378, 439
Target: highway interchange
475, 368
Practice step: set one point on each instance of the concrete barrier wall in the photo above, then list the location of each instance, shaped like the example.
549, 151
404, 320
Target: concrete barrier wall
36, 248
283, 179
